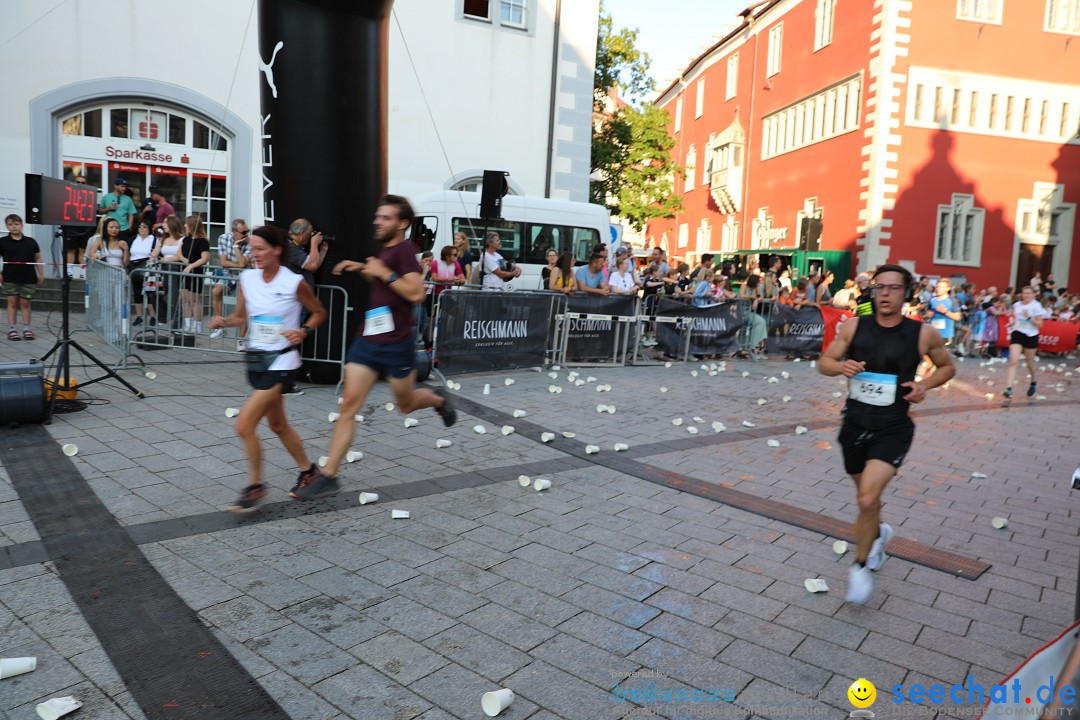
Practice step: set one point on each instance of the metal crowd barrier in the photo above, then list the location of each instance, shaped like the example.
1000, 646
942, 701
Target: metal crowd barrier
648, 319
177, 307
754, 330
480, 330
593, 336
105, 291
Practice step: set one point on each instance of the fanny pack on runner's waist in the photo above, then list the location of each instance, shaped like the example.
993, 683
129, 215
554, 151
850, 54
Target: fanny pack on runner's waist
259, 361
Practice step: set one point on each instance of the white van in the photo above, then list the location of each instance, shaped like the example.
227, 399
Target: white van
529, 227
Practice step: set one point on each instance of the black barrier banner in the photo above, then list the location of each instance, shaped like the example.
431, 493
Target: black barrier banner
714, 329
795, 332
593, 338
483, 331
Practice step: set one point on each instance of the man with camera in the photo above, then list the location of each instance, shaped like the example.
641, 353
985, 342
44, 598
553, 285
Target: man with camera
497, 271
306, 250
234, 254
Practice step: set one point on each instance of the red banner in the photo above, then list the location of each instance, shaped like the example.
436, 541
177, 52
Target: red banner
1056, 336
833, 318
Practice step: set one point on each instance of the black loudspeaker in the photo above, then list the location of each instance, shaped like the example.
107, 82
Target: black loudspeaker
22, 399
491, 195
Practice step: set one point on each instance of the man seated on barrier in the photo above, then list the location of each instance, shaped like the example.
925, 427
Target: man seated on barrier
590, 278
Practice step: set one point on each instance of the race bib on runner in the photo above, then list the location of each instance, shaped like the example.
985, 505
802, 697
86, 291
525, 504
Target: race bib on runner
873, 389
378, 321
939, 323
266, 329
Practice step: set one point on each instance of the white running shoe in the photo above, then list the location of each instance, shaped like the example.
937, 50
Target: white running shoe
187, 324
241, 345
876, 558
197, 327
860, 585
216, 333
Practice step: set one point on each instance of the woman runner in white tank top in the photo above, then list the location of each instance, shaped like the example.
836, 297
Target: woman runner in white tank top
269, 300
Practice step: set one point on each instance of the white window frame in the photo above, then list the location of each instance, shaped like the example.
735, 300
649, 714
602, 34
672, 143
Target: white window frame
523, 5
823, 23
699, 101
684, 234
732, 76
980, 11
729, 236
1067, 22
826, 114
678, 114
691, 169
489, 19
951, 223
776, 43
704, 236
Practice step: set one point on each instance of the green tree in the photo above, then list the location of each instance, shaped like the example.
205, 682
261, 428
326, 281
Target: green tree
631, 148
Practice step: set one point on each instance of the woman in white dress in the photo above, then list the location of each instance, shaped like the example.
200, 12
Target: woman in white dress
139, 249
269, 299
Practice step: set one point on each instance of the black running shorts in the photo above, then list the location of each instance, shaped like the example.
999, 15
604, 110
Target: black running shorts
889, 445
1030, 342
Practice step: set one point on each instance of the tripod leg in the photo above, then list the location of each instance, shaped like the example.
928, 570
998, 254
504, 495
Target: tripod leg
61, 363
108, 371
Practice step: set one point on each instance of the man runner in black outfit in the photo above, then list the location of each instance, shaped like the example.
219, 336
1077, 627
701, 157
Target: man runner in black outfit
879, 355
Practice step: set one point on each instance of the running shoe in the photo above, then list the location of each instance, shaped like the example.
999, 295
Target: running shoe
860, 585
447, 411
249, 499
241, 345
1031, 390
137, 322
1007, 392
290, 389
153, 322
876, 558
319, 486
304, 479
216, 333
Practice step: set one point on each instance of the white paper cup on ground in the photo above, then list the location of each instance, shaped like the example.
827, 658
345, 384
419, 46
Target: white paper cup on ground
773, 443
663, 389
611, 409
232, 412
999, 522
151, 375
541, 484
323, 460
621, 447
677, 422
592, 449
547, 437
442, 443
495, 702
786, 398
553, 375
692, 430
399, 514
800, 430
507, 430
978, 475
487, 389
839, 547
368, 497
332, 417
358, 418
815, 585
10, 667
411, 422
747, 423
698, 419
57, 707
524, 480
601, 408
479, 429
520, 413
389, 407
508, 381
569, 434
354, 455
70, 449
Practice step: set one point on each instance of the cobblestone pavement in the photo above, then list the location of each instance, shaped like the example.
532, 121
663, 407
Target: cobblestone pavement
340, 612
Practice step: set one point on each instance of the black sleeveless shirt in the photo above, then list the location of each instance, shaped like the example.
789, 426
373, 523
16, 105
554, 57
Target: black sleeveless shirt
886, 351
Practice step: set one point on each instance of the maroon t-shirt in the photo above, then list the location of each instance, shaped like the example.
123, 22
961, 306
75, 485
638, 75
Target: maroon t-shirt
401, 259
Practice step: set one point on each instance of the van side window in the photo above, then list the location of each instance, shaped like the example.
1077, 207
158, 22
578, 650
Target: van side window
585, 239
422, 233
544, 237
511, 235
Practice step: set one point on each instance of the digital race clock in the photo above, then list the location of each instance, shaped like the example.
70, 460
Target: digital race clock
55, 202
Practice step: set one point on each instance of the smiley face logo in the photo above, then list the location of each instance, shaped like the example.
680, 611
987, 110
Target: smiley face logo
862, 693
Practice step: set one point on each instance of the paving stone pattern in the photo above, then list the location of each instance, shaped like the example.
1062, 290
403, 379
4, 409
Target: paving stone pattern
604, 579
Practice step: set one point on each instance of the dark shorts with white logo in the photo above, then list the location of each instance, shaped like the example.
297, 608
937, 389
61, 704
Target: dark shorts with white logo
890, 444
394, 361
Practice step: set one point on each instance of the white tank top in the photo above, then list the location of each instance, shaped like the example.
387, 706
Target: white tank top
140, 247
113, 257
169, 252
272, 307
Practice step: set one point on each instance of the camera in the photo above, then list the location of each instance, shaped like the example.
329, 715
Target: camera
508, 266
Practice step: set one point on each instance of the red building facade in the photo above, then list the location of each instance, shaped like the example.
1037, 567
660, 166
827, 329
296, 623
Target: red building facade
943, 135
